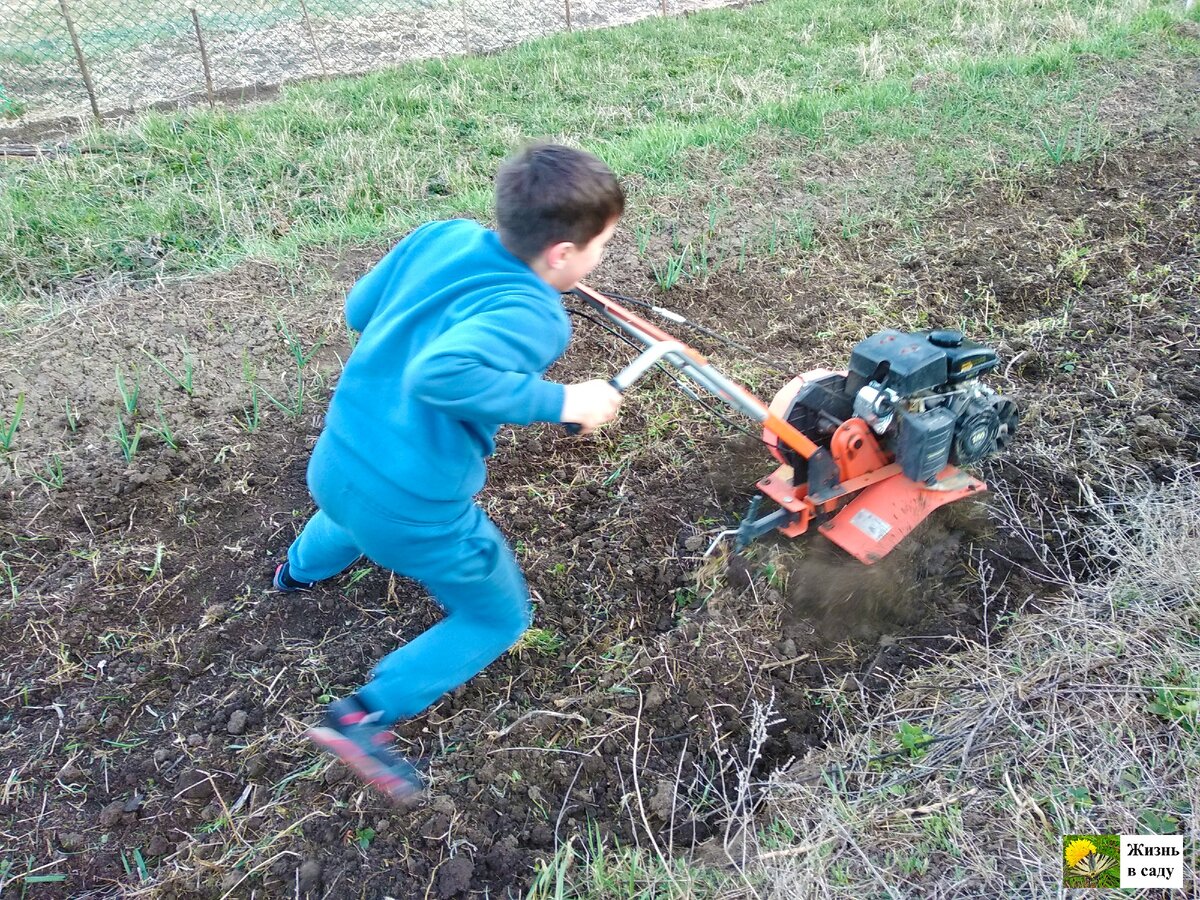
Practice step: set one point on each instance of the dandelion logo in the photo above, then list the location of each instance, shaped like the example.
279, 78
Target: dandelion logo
1091, 860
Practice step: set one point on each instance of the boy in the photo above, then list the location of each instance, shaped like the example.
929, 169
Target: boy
459, 324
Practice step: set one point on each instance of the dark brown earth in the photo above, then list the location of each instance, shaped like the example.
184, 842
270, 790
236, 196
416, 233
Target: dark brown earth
154, 691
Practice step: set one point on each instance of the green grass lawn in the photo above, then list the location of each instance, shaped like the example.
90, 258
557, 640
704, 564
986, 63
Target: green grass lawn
367, 158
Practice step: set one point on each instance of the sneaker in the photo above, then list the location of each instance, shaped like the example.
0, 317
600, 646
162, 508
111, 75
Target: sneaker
356, 737
284, 582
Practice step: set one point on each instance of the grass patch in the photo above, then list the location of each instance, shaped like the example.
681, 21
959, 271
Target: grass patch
368, 158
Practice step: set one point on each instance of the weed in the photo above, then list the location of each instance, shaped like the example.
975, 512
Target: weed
127, 442
358, 575
363, 837
184, 382
129, 395
914, 739
51, 477
700, 265
295, 348
852, 223
641, 234
541, 641
9, 430
1072, 143
1178, 701
72, 418
586, 868
295, 407
251, 418
154, 570
1153, 822
772, 246
163, 430
668, 275
776, 575
804, 231
139, 864
1074, 262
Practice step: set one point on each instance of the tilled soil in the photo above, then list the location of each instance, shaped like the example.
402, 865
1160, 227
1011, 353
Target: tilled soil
154, 688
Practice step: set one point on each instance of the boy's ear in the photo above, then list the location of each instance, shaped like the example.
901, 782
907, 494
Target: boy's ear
558, 255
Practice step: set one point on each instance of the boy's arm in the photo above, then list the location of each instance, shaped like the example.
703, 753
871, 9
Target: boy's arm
488, 367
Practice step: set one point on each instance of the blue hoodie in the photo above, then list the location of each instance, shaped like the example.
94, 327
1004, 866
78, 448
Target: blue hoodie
457, 334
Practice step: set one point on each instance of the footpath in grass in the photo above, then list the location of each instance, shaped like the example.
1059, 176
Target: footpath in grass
954, 92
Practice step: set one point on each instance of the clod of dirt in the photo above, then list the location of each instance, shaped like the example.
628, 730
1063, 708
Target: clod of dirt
70, 773
237, 722
655, 697
454, 877
72, 841
112, 813
231, 881
193, 784
662, 804
215, 614
309, 875
335, 774
133, 804
435, 828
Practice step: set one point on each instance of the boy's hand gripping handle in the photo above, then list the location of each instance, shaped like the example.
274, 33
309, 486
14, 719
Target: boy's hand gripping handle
575, 427
641, 364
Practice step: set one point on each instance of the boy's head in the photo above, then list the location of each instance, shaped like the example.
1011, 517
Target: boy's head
556, 208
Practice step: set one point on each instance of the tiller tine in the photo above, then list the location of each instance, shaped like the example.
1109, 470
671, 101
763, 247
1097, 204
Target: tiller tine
882, 515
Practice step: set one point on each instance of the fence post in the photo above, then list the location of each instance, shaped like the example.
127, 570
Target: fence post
313, 38
466, 27
79, 57
212, 102
664, 8
567, 3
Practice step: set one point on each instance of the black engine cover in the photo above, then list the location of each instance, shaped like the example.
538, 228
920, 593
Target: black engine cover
921, 361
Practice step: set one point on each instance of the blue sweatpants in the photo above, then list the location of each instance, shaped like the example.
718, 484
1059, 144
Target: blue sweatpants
461, 558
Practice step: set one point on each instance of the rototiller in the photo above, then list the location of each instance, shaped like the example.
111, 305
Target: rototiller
868, 453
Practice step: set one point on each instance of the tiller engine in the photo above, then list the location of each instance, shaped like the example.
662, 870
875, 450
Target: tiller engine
865, 454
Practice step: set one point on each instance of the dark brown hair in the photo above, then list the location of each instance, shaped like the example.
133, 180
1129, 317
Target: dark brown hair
547, 193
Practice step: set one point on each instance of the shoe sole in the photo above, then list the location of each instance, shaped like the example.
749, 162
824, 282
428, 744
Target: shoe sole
283, 588
395, 787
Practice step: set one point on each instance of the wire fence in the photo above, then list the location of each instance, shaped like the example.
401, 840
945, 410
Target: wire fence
63, 59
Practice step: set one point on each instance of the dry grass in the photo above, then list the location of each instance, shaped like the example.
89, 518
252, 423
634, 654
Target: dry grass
1079, 717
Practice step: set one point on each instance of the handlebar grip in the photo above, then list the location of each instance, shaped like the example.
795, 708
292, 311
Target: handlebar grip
574, 428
